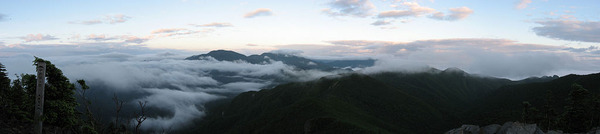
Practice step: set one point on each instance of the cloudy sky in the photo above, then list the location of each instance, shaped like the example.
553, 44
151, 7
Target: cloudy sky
481, 36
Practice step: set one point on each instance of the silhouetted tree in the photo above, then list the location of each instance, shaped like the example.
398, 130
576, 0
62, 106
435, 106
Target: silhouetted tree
91, 125
549, 119
594, 112
4, 80
140, 116
18, 108
117, 126
12, 114
59, 103
4, 87
526, 112
576, 118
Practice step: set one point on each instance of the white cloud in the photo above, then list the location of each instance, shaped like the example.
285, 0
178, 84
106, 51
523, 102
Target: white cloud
455, 14
493, 57
186, 106
354, 8
38, 37
570, 29
259, 12
459, 13
168, 83
523, 4
414, 10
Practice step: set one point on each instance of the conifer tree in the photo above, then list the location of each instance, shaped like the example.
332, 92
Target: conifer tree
4, 80
526, 112
576, 110
549, 119
59, 103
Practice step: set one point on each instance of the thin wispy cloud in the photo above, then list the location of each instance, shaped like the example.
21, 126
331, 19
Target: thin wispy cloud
259, 12
169, 30
135, 39
118, 18
354, 8
3, 17
178, 31
413, 10
91, 22
522, 4
99, 37
381, 22
214, 24
455, 14
108, 19
38, 37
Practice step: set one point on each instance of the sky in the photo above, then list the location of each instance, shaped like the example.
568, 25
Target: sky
438, 33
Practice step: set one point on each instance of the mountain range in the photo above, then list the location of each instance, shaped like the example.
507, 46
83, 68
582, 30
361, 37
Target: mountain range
288, 59
427, 102
263, 94
431, 101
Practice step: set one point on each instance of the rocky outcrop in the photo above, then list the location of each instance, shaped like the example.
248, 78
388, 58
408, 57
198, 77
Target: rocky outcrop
465, 129
507, 128
519, 128
490, 129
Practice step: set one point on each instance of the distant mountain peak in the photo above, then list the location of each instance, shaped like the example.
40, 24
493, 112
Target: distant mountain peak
221, 55
223, 51
454, 70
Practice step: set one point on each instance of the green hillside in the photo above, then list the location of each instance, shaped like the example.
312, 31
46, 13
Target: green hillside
354, 104
451, 90
428, 102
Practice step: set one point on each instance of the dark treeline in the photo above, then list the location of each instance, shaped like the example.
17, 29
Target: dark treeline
410, 103
570, 103
579, 113
66, 107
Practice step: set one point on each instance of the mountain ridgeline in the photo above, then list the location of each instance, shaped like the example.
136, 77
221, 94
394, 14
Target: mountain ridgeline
425, 101
389, 102
432, 101
288, 59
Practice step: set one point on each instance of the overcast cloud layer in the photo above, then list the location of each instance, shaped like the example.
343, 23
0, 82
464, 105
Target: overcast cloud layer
492, 57
168, 83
